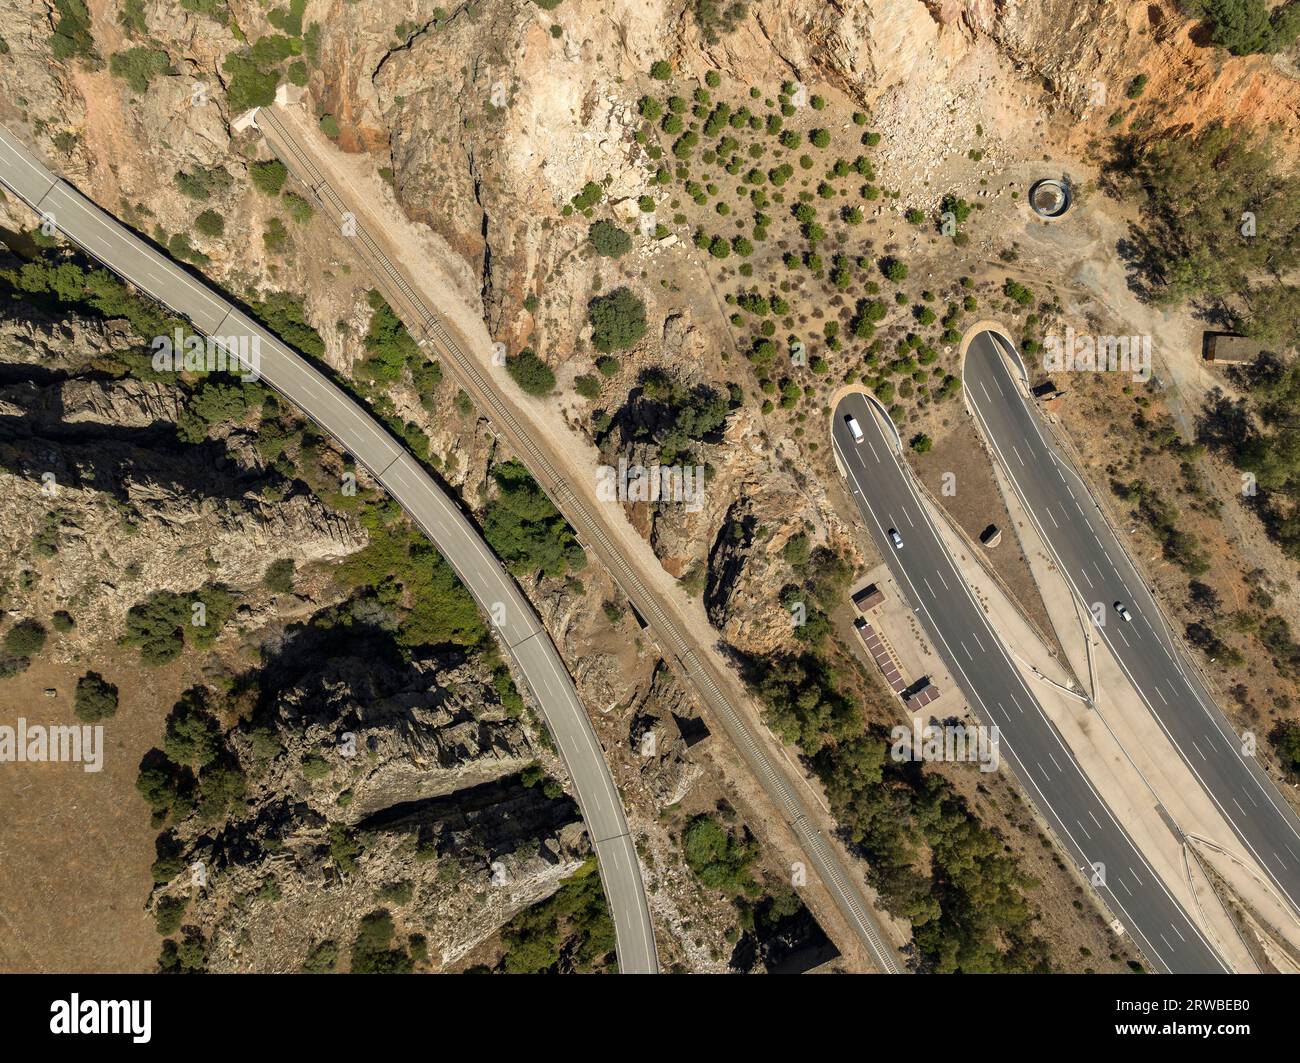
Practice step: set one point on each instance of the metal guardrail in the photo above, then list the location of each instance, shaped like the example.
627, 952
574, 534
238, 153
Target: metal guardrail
427, 327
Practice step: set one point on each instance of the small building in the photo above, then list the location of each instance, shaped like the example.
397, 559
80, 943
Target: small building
1226, 348
868, 598
921, 696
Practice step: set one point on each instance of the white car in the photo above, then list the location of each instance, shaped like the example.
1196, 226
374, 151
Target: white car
854, 427
896, 539
1123, 612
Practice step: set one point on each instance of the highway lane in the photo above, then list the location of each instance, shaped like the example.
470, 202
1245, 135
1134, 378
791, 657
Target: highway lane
1101, 572
670, 633
976, 658
428, 505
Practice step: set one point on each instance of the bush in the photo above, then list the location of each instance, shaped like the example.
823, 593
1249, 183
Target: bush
525, 530
95, 698
608, 239
25, 639
532, 374
299, 209
276, 236
279, 576
717, 18
210, 223
893, 269
138, 66
718, 859
921, 443
203, 184
268, 177
249, 85
661, 70
617, 319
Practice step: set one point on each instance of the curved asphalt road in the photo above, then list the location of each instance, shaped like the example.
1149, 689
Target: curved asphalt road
1100, 570
975, 656
401, 475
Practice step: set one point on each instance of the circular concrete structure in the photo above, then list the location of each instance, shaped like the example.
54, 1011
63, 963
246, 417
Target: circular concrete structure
1049, 198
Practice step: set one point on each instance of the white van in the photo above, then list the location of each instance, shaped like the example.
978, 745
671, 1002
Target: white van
853, 427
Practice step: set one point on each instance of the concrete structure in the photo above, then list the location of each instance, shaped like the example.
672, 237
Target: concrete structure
1050, 197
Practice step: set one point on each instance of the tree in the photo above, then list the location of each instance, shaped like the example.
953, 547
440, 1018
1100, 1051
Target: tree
608, 239
719, 860
1244, 26
25, 639
893, 269
661, 70
617, 319
532, 374
525, 530
95, 698
192, 736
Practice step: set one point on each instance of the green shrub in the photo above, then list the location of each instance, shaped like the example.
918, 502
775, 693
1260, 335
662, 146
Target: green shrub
249, 85
138, 66
299, 209
661, 70
718, 859
25, 639
95, 698
608, 239
532, 374
268, 177
525, 529
210, 223
278, 577
618, 320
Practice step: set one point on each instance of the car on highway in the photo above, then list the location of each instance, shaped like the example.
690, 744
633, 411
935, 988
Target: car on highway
895, 538
854, 427
1123, 612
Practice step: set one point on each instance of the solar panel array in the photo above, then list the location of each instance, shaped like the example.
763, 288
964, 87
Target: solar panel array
881, 655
